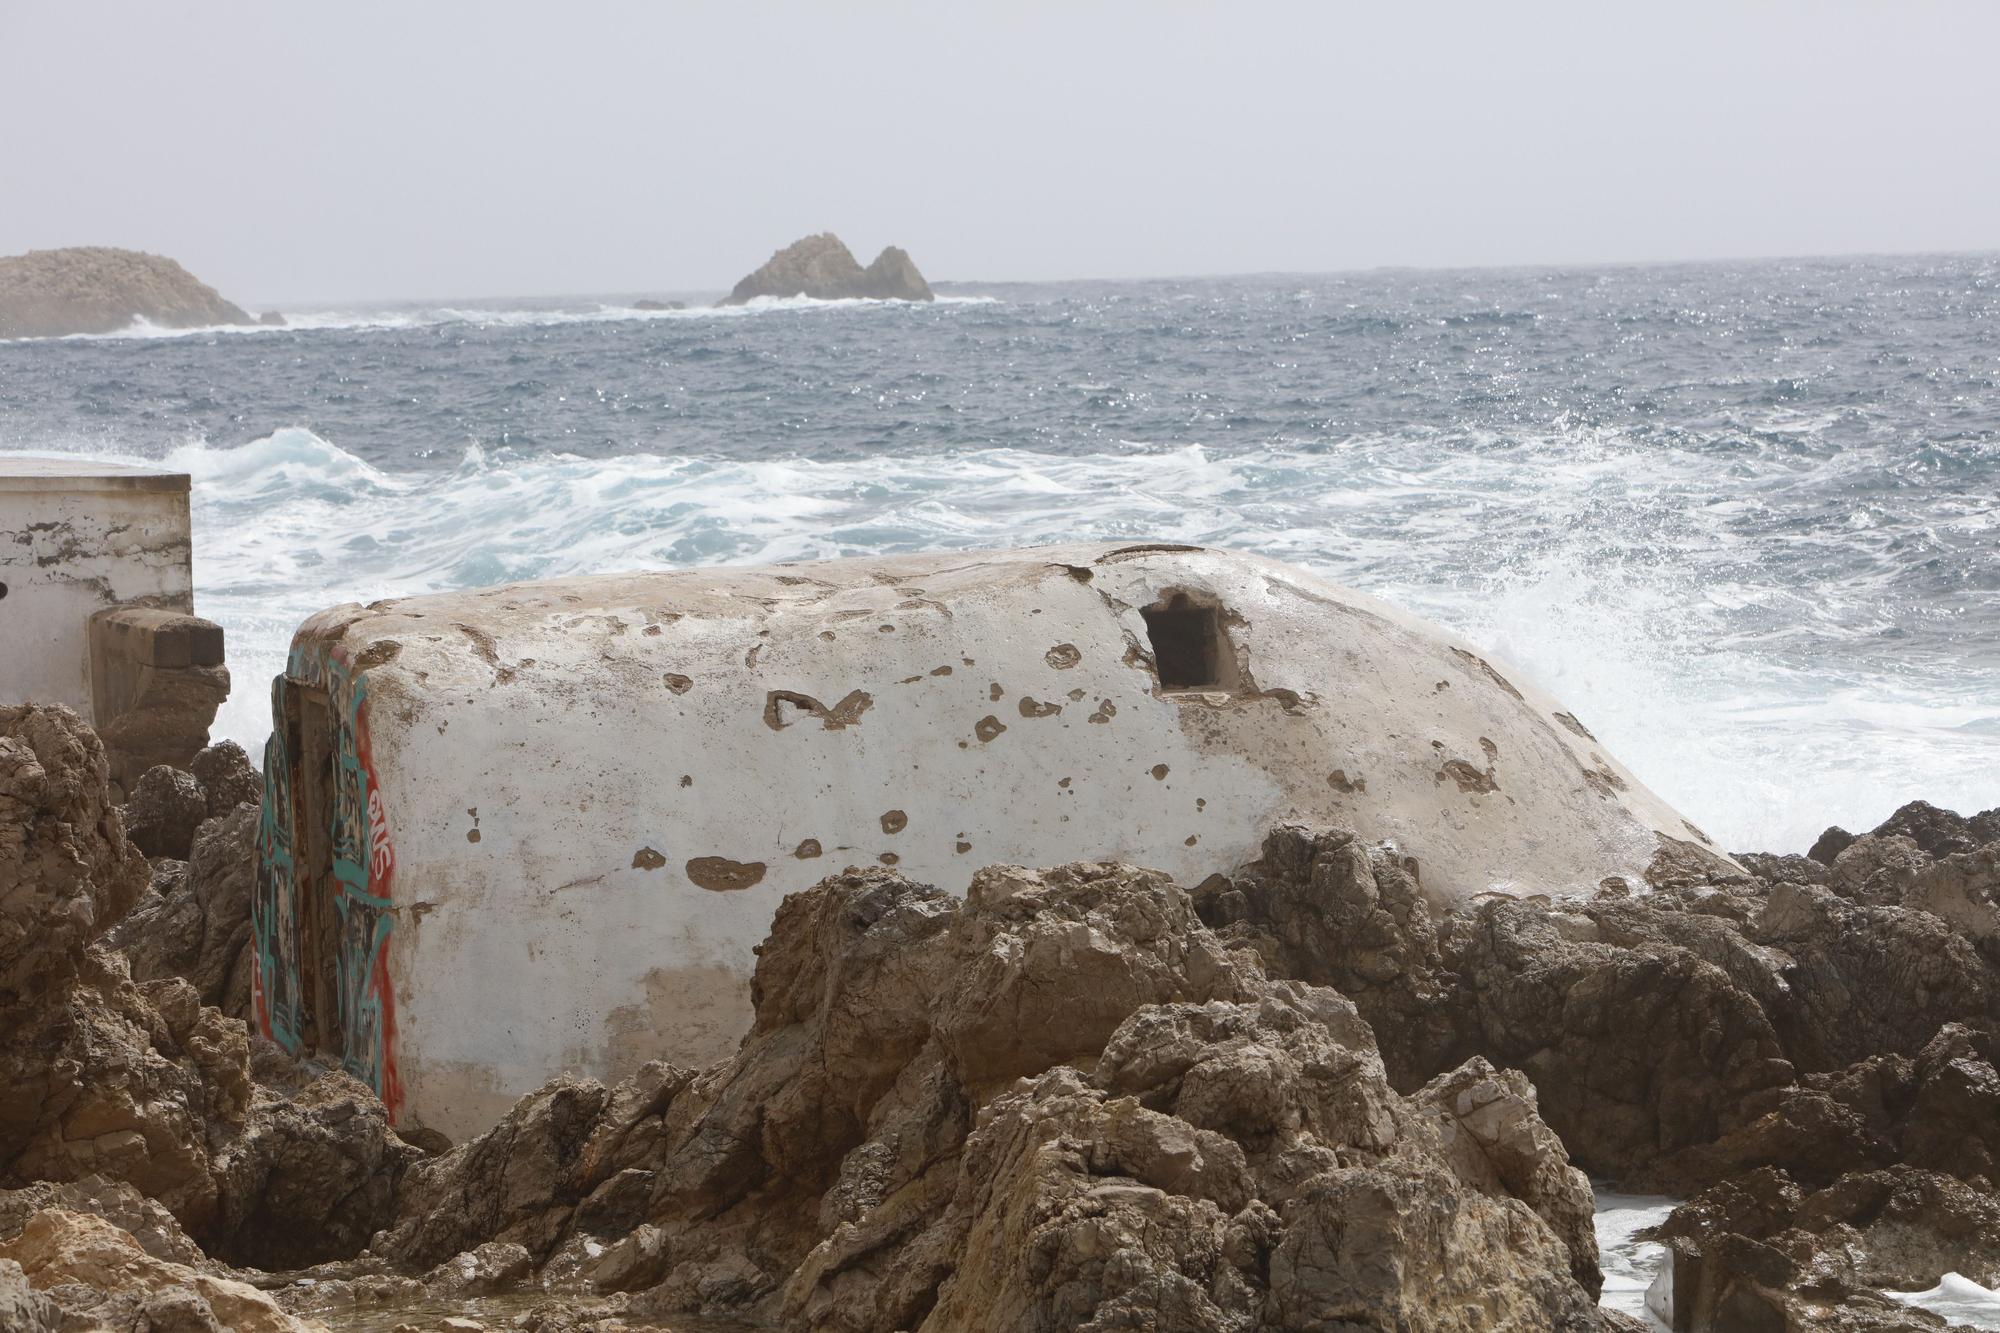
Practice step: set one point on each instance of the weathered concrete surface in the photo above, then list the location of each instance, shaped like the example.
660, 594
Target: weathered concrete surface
76, 541
590, 794
156, 681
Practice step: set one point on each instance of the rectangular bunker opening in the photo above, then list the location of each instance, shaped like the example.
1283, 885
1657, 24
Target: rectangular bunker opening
1191, 648
309, 719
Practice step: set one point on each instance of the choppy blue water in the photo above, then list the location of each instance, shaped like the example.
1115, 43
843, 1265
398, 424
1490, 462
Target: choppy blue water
1743, 518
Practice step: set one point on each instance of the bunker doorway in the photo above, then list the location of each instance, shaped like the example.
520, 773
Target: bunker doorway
1191, 648
315, 791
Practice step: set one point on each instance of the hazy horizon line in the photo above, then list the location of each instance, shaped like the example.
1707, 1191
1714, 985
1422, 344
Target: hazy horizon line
644, 293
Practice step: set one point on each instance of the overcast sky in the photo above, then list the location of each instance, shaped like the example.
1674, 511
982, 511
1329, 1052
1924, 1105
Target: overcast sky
344, 151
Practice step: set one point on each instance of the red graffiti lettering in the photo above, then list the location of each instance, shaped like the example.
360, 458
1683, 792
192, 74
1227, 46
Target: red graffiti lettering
381, 854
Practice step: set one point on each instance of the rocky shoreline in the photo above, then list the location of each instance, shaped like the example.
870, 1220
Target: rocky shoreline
1295, 1095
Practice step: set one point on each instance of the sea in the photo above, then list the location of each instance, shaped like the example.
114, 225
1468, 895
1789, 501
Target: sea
1743, 518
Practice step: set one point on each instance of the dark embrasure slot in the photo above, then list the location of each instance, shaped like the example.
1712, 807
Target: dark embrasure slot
1190, 650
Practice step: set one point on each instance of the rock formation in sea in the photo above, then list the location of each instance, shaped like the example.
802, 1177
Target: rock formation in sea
822, 267
1298, 1095
100, 289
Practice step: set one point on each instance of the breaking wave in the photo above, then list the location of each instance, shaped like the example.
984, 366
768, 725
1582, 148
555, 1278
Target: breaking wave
494, 317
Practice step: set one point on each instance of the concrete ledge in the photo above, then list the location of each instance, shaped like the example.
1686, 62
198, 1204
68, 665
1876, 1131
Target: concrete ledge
152, 637
70, 475
156, 679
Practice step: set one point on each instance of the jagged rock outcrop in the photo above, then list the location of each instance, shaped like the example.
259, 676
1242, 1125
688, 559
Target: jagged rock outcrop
194, 919
822, 267
138, 1081
165, 807
227, 777
311, 1178
22, 1308
116, 1201
893, 276
99, 1277
67, 870
122, 1080
1062, 1103
1762, 1252
100, 289
1719, 1022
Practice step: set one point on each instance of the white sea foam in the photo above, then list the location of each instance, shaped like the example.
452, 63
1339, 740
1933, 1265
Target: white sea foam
1959, 1299
1646, 617
413, 317
1628, 1263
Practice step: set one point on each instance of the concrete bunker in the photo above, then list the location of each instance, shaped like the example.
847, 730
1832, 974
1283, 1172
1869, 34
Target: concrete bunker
521, 830
97, 607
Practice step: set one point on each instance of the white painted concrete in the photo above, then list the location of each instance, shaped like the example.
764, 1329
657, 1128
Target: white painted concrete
574, 773
74, 539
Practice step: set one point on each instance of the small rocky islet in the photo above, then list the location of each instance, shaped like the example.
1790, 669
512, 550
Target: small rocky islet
823, 268
1294, 1095
102, 289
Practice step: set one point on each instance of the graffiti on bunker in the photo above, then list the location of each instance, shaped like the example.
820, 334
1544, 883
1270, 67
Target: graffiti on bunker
360, 872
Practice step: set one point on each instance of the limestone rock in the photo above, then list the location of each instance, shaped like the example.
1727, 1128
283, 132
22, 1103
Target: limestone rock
22, 1308
1829, 845
518, 1183
1952, 1123
103, 1278
117, 1202
133, 1082
1787, 869
1062, 1102
494, 1267
227, 777
1760, 1252
1872, 980
1320, 906
1714, 1025
1939, 832
1493, 1134
164, 809
893, 276
67, 871
822, 267
98, 1075
311, 1177
99, 289
195, 920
